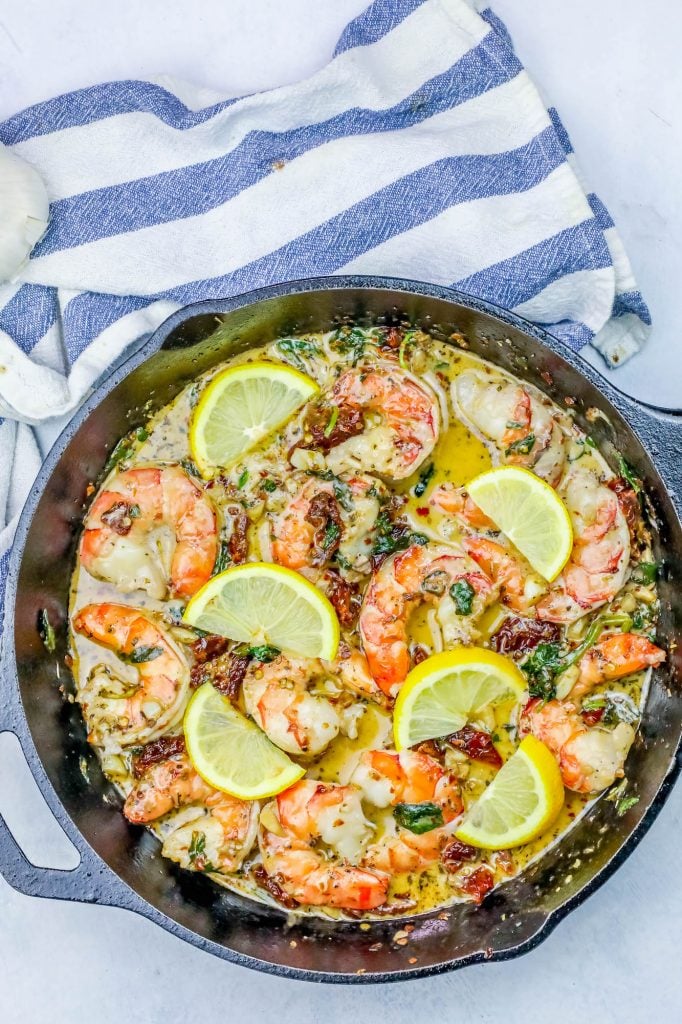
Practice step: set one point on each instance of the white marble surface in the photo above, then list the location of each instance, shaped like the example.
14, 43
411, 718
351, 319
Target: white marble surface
613, 71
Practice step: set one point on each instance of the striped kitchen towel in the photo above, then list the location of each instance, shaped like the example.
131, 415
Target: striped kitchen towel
421, 150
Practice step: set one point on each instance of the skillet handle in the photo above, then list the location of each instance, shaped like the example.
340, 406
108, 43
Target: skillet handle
90, 881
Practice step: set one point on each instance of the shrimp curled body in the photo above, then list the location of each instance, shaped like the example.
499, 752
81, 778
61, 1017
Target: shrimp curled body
117, 714
151, 529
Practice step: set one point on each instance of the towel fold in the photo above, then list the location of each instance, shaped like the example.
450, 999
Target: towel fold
422, 150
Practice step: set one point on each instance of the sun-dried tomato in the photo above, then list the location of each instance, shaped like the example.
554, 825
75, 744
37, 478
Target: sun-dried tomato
475, 744
594, 716
208, 647
238, 544
344, 596
118, 518
156, 751
629, 503
270, 884
226, 673
517, 635
478, 884
326, 430
456, 853
324, 516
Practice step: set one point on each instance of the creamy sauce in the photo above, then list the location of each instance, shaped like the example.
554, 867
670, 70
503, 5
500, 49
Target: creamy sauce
458, 457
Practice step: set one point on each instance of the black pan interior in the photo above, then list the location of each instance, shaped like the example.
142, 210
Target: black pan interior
512, 916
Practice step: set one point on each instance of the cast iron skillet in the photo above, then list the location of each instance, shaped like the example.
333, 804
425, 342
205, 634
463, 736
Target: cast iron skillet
121, 864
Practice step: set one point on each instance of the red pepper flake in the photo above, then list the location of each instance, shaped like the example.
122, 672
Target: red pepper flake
421, 511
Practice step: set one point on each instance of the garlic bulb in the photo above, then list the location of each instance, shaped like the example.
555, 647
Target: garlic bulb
24, 209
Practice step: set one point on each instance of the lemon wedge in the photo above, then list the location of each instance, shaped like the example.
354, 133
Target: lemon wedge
241, 406
529, 512
231, 753
445, 690
262, 604
521, 802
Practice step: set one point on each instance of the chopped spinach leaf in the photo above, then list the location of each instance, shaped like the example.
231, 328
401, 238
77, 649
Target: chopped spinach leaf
541, 668
141, 434
263, 652
331, 534
332, 421
462, 593
625, 803
141, 654
342, 493
645, 572
423, 482
46, 630
628, 473
222, 558
190, 468
269, 485
418, 818
243, 477
119, 453
298, 348
523, 446
197, 852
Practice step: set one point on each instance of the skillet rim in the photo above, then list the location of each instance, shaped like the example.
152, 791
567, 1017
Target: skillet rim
636, 415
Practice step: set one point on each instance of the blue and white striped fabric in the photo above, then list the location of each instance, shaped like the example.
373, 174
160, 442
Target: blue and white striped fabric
422, 150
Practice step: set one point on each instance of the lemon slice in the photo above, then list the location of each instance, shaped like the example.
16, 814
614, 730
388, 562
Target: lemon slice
444, 691
231, 753
240, 407
520, 803
529, 512
259, 603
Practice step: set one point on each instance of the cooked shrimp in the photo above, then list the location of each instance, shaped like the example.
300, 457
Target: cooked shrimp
614, 657
402, 422
151, 529
310, 835
387, 778
278, 697
456, 502
354, 674
520, 424
519, 587
421, 573
118, 713
598, 564
326, 516
217, 839
590, 757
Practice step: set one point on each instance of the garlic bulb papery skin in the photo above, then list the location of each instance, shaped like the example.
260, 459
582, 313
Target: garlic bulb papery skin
24, 211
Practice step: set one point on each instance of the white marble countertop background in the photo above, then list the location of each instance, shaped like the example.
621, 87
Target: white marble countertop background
613, 71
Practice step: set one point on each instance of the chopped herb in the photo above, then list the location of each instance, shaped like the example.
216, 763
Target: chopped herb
332, 421
331, 534
222, 558
134, 511
541, 667
342, 493
197, 852
243, 477
419, 538
298, 348
190, 468
514, 425
408, 339
625, 803
590, 442
640, 618
523, 446
442, 366
141, 654
342, 561
462, 593
645, 572
418, 818
141, 434
46, 630
617, 707
353, 342
392, 537
628, 473
263, 652
269, 485
119, 453
423, 482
